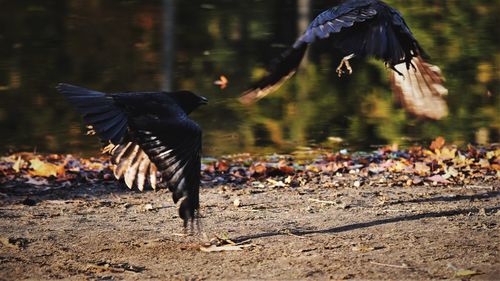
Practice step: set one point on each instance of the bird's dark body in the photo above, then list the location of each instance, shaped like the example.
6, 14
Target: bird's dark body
148, 132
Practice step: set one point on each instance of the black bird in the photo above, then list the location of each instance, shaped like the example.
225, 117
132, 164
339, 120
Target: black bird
366, 28
148, 132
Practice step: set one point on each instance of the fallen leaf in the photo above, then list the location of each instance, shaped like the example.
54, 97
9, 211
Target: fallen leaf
465, 273
493, 154
496, 167
450, 173
215, 248
398, 167
222, 82
422, 169
222, 166
363, 249
258, 169
416, 180
17, 165
286, 169
438, 179
484, 163
40, 181
43, 169
312, 168
446, 153
438, 143
275, 183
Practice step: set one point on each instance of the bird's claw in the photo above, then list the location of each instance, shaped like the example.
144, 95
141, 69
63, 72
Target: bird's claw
192, 226
344, 62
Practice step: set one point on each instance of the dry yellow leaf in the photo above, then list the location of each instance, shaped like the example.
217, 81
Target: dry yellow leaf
465, 273
422, 169
43, 169
17, 165
398, 167
484, 163
446, 153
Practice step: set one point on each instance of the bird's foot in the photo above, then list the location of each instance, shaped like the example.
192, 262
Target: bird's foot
193, 226
90, 131
345, 62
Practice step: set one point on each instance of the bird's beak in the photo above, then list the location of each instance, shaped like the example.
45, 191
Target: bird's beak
203, 100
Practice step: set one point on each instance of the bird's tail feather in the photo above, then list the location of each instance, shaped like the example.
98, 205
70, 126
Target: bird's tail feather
419, 88
98, 110
281, 69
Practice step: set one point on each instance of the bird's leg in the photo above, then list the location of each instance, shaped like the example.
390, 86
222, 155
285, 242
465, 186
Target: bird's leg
198, 225
345, 61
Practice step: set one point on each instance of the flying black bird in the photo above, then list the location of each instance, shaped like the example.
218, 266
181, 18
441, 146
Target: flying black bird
148, 132
360, 29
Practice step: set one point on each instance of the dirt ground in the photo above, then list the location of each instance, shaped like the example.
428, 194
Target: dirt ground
107, 232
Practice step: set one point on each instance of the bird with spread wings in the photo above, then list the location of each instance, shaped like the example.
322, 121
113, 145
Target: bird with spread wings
147, 133
360, 29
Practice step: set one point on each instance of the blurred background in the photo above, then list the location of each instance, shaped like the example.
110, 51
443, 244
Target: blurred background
114, 46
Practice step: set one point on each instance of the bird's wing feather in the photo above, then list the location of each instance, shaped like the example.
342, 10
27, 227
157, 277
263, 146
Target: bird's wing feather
174, 147
98, 110
334, 20
282, 68
420, 89
133, 164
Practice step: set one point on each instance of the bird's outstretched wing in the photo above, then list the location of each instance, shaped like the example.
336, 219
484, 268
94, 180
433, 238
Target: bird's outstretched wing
98, 110
282, 68
174, 147
420, 89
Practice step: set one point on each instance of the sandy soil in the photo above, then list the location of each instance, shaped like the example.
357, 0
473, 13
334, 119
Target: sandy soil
107, 232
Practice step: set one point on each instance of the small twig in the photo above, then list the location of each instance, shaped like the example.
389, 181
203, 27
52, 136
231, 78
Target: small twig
392, 210
404, 266
479, 187
244, 242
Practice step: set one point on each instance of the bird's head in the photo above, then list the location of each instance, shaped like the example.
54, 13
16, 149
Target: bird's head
188, 101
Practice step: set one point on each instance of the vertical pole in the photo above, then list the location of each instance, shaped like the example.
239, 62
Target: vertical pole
302, 107
303, 18
168, 24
